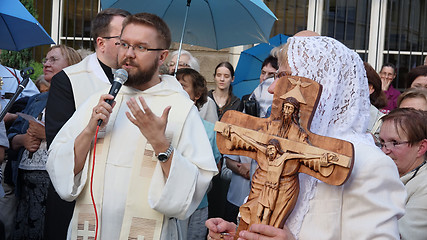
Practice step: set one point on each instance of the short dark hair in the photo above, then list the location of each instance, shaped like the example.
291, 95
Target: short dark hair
101, 23
378, 97
411, 121
414, 73
270, 60
198, 83
154, 21
389, 65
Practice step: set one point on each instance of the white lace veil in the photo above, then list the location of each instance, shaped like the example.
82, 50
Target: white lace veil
343, 110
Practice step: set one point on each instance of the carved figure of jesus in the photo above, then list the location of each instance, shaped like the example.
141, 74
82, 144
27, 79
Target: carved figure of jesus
282, 179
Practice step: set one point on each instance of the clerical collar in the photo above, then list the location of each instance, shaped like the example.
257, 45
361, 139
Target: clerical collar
108, 71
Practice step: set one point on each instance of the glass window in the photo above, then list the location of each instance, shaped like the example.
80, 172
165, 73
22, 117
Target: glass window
348, 22
405, 37
291, 14
44, 17
77, 17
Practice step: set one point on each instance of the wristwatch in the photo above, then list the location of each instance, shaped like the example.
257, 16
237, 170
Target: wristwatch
163, 157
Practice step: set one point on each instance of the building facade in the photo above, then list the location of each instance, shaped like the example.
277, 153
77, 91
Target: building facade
379, 30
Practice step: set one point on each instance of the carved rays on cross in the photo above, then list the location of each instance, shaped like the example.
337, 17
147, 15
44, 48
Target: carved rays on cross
296, 91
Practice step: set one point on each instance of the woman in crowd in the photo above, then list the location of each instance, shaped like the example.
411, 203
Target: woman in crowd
42, 84
417, 77
28, 139
377, 98
195, 85
388, 74
224, 100
223, 92
403, 137
368, 204
413, 98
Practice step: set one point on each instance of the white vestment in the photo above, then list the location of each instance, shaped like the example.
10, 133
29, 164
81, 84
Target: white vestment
123, 145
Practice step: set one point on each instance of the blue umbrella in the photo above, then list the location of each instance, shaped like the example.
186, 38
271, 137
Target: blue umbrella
249, 66
214, 24
18, 28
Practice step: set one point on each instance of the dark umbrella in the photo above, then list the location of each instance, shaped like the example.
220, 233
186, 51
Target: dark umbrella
18, 28
214, 24
249, 66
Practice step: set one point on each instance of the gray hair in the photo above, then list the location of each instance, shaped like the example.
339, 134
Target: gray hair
193, 62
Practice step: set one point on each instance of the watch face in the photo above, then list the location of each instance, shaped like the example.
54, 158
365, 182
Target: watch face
162, 157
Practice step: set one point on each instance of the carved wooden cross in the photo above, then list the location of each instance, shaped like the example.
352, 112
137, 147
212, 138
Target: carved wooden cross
283, 147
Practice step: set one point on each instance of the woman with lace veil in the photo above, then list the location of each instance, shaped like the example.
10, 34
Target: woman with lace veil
369, 204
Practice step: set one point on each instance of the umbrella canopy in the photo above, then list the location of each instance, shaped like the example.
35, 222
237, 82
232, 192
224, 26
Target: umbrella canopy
214, 24
249, 66
18, 28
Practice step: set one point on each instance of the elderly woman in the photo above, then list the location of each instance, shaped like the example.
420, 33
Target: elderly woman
368, 205
403, 137
29, 141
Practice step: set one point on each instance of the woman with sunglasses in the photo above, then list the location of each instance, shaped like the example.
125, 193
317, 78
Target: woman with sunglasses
403, 137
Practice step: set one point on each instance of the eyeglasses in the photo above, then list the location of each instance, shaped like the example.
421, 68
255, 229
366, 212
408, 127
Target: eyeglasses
52, 60
111, 37
180, 64
390, 145
386, 74
281, 74
137, 48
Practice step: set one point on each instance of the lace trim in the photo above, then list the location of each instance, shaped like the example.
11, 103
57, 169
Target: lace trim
343, 110
307, 191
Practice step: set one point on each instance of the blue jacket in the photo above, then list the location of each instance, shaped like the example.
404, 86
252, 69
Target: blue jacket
34, 107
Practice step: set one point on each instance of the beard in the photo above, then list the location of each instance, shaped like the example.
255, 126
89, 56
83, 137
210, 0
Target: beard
286, 125
141, 77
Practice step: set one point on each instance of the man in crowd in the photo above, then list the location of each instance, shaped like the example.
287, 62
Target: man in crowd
150, 149
260, 94
69, 90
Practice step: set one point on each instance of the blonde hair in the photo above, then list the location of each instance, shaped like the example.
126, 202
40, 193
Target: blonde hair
70, 54
281, 53
412, 93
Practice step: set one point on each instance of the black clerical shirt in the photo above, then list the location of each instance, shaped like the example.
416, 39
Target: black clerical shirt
60, 104
59, 108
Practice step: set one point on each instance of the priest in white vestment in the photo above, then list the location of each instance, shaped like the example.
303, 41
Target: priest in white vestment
153, 161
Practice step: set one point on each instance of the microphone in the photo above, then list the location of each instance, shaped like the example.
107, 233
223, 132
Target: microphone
120, 77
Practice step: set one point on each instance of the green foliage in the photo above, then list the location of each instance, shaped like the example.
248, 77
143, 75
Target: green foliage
23, 58
38, 70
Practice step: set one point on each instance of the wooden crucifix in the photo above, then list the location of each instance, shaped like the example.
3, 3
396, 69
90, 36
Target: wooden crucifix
283, 146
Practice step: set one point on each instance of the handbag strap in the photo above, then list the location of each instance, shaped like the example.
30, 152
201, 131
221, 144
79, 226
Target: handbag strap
17, 79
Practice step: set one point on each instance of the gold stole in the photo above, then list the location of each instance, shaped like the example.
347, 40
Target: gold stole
140, 221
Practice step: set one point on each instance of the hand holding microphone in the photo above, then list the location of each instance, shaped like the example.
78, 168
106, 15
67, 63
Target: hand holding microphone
120, 77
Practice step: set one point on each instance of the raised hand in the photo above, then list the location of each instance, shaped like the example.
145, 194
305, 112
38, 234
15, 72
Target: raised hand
150, 125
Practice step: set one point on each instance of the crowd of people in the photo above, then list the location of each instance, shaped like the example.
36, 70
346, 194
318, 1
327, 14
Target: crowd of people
148, 165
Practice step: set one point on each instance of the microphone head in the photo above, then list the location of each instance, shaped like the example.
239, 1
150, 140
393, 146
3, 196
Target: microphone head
25, 73
121, 76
